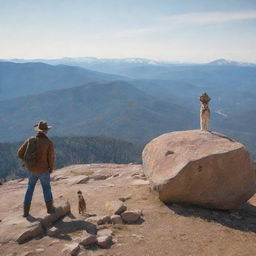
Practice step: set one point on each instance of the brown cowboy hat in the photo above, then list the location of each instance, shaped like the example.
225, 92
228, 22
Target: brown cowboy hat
42, 126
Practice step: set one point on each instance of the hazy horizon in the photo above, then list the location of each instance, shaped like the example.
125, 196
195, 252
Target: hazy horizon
178, 31
102, 58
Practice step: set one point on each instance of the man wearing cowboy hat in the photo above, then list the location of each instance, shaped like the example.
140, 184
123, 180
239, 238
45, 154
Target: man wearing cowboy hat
41, 167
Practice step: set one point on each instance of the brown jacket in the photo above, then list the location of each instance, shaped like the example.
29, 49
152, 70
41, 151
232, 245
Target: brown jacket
44, 153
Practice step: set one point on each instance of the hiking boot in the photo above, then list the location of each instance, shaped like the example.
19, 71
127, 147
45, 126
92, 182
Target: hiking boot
50, 207
26, 208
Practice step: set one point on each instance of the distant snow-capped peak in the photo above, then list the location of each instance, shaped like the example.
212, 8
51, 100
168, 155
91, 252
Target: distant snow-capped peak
222, 62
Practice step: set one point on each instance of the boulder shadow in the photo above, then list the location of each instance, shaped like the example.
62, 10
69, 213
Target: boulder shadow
242, 218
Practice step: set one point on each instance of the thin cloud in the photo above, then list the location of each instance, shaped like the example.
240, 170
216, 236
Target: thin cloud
198, 18
210, 17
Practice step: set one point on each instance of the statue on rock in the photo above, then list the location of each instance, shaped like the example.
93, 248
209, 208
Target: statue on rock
204, 111
202, 168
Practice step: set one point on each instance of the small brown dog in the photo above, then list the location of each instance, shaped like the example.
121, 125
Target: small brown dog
81, 203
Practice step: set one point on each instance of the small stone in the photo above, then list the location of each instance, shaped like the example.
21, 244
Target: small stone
88, 239
130, 216
106, 219
116, 219
71, 249
104, 241
99, 220
115, 207
105, 232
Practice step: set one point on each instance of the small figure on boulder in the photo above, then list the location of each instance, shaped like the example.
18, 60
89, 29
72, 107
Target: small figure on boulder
204, 111
37, 153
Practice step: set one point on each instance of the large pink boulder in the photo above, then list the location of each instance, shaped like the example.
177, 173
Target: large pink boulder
199, 167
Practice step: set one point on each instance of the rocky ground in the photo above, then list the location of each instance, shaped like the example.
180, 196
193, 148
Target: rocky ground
161, 230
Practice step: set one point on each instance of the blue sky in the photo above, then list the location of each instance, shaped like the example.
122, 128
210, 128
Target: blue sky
171, 30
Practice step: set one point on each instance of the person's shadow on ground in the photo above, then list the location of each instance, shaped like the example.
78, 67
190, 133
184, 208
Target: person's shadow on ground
243, 218
64, 228
32, 219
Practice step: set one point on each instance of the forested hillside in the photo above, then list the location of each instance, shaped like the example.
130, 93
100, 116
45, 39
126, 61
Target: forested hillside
115, 109
73, 150
33, 78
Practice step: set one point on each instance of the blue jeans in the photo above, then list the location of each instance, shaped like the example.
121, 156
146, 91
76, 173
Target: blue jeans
45, 182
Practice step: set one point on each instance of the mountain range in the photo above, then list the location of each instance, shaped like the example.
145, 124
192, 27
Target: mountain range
114, 109
136, 100
32, 78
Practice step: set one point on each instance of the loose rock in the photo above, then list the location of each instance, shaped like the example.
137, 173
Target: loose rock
115, 207
116, 219
99, 220
104, 241
60, 212
71, 249
46, 222
130, 216
88, 239
105, 232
